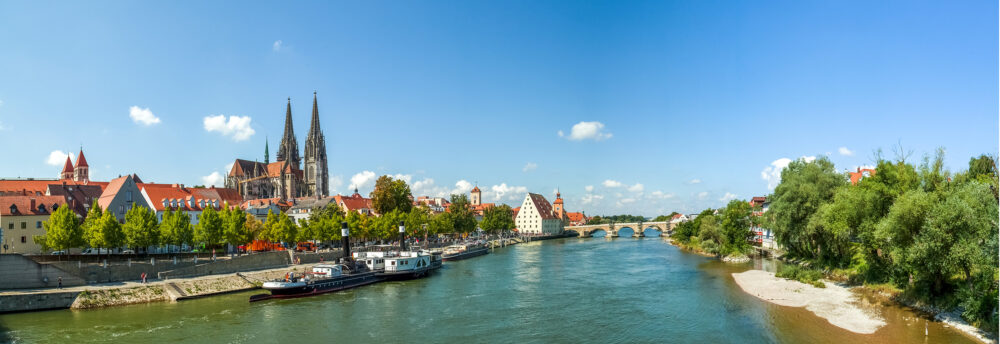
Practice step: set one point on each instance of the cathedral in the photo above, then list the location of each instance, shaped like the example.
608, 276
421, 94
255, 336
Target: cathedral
285, 178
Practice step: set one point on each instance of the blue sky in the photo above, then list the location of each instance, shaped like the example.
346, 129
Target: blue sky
676, 105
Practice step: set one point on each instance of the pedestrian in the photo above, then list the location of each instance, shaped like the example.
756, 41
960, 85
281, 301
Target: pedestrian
143, 278
60, 282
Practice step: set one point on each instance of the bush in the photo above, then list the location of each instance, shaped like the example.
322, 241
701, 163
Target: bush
801, 274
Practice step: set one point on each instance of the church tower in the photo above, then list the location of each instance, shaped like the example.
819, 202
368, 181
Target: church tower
289, 148
557, 206
477, 196
81, 173
316, 172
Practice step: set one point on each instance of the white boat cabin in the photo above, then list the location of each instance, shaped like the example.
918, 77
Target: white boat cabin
327, 271
406, 261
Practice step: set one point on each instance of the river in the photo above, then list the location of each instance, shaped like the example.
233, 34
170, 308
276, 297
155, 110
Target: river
574, 290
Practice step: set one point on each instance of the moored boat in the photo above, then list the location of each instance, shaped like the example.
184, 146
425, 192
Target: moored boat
464, 251
324, 278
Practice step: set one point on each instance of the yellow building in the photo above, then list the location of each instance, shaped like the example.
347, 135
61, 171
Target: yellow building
21, 220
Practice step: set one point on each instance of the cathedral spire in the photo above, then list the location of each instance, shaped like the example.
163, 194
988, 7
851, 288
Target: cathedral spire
267, 153
316, 170
289, 148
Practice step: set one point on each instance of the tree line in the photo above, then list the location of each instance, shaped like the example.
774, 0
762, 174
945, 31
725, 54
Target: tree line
233, 226
921, 229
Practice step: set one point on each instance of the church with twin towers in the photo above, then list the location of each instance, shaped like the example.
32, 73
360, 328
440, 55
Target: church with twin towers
286, 177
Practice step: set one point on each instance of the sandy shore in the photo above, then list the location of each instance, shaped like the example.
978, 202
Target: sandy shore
834, 303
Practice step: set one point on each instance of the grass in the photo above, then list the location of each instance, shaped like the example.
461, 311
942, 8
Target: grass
801, 274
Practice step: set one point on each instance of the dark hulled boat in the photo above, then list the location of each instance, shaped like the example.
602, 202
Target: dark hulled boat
325, 278
464, 251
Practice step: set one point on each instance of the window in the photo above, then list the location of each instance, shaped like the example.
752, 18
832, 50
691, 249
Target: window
24, 225
128, 196
10, 225
24, 239
38, 224
121, 208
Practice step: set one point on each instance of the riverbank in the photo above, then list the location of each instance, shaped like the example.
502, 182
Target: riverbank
835, 303
128, 293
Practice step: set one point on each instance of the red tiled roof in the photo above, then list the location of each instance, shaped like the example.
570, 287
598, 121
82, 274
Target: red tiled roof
23, 204
543, 206
263, 202
157, 194
69, 166
80, 160
354, 202
476, 189
110, 191
856, 176
576, 217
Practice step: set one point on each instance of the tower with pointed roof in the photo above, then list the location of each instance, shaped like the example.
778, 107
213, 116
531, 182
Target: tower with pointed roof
267, 153
316, 172
81, 172
477, 196
67, 171
289, 148
557, 206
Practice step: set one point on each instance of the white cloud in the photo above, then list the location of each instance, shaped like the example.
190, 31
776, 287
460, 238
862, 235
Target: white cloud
57, 158
844, 151
142, 116
590, 198
702, 195
694, 181
511, 192
772, 174
638, 187
727, 197
661, 195
362, 179
611, 183
215, 178
589, 188
587, 131
276, 46
237, 127
529, 167
462, 187
421, 185
229, 167
405, 177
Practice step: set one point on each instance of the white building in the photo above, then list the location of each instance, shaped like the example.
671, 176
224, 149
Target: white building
536, 217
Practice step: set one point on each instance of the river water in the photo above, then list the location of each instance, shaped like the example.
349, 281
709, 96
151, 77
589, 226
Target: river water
574, 290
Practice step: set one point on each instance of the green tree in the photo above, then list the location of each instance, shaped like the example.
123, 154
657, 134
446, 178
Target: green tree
497, 219
391, 194
662, 218
268, 232
461, 214
176, 229
710, 237
62, 231
92, 228
804, 187
735, 227
140, 228
441, 223
284, 229
209, 228
234, 230
416, 220
252, 228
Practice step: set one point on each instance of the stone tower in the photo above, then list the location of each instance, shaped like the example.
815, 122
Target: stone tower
67, 171
477, 196
289, 148
81, 173
557, 206
316, 172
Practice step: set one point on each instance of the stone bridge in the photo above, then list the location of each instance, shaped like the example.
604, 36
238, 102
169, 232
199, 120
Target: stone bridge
612, 228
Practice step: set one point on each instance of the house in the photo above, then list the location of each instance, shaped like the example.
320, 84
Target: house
536, 217
302, 207
192, 201
477, 205
576, 219
261, 206
355, 203
21, 220
859, 174
120, 195
436, 205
